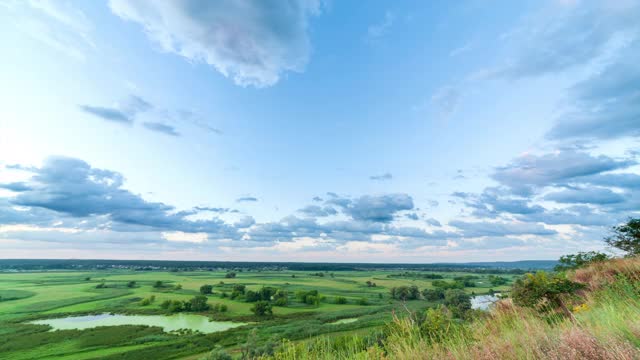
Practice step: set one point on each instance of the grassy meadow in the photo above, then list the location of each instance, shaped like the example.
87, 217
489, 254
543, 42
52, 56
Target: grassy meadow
346, 295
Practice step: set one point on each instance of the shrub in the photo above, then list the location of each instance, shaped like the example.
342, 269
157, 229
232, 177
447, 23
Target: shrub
262, 308
340, 300
433, 294
158, 284
405, 292
497, 280
219, 308
217, 354
198, 303
311, 297
131, 284
206, 289
436, 324
544, 291
458, 302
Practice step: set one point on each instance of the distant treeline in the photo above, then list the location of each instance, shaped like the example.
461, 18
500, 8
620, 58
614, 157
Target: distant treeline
517, 267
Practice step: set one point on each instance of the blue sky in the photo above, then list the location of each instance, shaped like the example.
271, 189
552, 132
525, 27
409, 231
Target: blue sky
309, 130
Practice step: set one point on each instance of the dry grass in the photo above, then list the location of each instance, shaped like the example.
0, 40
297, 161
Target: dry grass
607, 327
599, 275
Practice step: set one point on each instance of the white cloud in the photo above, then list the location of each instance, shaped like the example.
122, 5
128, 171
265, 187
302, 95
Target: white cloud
180, 236
253, 42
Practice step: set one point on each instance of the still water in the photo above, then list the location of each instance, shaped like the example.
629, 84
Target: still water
167, 323
483, 302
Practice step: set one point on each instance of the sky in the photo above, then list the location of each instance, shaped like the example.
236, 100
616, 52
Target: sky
309, 130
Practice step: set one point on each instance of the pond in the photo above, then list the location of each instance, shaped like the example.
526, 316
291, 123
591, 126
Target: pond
483, 302
344, 321
167, 323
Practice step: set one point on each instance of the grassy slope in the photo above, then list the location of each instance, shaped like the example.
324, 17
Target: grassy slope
607, 327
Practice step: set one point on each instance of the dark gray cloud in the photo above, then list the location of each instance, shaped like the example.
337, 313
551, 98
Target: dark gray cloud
484, 228
214, 209
124, 113
247, 199
161, 128
106, 113
589, 195
15, 186
73, 188
573, 215
433, 222
318, 211
381, 208
495, 201
530, 171
252, 42
618, 180
412, 216
382, 177
607, 104
245, 222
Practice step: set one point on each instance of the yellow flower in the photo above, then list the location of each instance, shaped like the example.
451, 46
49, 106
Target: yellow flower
580, 308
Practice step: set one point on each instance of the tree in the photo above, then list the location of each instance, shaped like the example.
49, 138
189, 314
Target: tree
266, 292
311, 297
281, 298
457, 301
405, 292
497, 280
626, 237
252, 296
198, 303
158, 284
433, 294
101, 286
574, 261
230, 275
238, 289
262, 308
543, 291
131, 284
206, 289
219, 308
341, 300
175, 306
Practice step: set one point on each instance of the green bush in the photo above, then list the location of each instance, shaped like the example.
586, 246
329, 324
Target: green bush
262, 308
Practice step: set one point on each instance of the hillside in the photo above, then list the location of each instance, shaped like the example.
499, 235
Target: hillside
604, 324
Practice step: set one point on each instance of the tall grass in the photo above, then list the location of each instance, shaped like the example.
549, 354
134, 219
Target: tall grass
607, 326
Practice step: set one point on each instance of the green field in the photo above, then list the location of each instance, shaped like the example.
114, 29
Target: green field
27, 296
